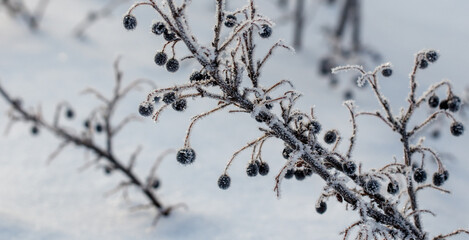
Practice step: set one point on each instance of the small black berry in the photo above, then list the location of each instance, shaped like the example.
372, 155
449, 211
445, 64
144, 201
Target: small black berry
348, 95
155, 184
69, 113
169, 36
252, 169
445, 175
299, 174
263, 168
387, 72
158, 28
438, 179
420, 175
130, 22
98, 128
308, 172
196, 76
330, 137
34, 130
86, 124
180, 105
185, 156
454, 103
108, 169
372, 186
349, 167
172, 65
268, 105
286, 152
161, 58
431, 56
156, 99
289, 174
433, 101
423, 64
262, 117
457, 129
393, 187
266, 31
315, 127
169, 97
321, 207
145, 108
230, 21
224, 181
444, 104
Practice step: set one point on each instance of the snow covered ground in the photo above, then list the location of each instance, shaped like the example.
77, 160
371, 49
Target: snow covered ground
55, 201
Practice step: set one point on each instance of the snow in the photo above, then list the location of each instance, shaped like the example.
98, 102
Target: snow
55, 201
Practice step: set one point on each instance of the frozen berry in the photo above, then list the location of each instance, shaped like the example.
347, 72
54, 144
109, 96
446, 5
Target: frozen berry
155, 184
98, 128
130, 22
69, 113
420, 175
263, 168
266, 31
86, 124
156, 99
108, 169
308, 172
387, 72
145, 108
196, 76
431, 56
349, 167
445, 175
444, 104
330, 137
457, 129
433, 101
438, 179
289, 174
180, 105
169, 36
286, 152
230, 21
299, 174
262, 117
454, 103
268, 105
185, 156
169, 97
158, 28
172, 65
315, 127
423, 64
372, 186
252, 169
224, 181
161, 58
34, 130
321, 207
393, 188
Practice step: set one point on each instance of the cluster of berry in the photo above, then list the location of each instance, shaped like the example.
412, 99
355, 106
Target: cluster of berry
231, 21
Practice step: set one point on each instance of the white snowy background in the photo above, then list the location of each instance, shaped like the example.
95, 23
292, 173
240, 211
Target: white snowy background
55, 201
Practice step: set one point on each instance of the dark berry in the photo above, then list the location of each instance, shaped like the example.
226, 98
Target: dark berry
161, 58
349, 167
69, 113
445, 175
393, 188
444, 104
145, 108
435, 133
308, 172
155, 184
98, 128
87, 124
224, 181
423, 64
169, 36
263, 168
315, 127
420, 175
156, 99
299, 174
326, 65
130, 22
34, 130
457, 129
387, 72
318, 149
348, 95
180, 105
431, 56
252, 169
454, 103
289, 174
286, 152
108, 169
438, 179
372, 186
169, 97
330, 137
185, 156
321, 207
172, 65
230, 21
196, 76
158, 28
262, 117
268, 105
266, 31
433, 101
